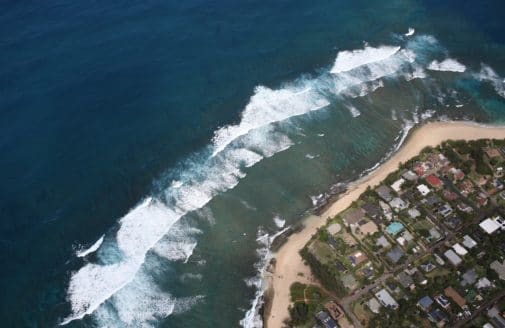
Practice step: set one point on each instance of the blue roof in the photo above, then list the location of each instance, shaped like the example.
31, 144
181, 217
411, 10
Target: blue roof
425, 302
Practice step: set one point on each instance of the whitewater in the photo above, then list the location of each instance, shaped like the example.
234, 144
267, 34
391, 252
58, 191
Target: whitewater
109, 287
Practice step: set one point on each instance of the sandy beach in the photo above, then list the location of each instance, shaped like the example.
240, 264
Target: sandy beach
289, 266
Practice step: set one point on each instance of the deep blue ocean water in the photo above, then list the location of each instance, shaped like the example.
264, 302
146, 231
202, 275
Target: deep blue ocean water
103, 104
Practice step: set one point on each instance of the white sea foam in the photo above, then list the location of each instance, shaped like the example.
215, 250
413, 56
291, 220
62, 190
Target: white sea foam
279, 222
139, 231
178, 244
349, 60
488, 74
93, 248
410, 32
268, 106
354, 111
447, 65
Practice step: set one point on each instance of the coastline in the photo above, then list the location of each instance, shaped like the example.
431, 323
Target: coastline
289, 263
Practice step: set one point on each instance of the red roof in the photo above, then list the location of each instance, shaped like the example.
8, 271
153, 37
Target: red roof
433, 180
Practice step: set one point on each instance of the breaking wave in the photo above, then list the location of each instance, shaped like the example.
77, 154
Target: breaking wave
120, 273
447, 65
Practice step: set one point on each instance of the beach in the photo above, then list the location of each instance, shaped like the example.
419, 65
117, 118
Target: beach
289, 266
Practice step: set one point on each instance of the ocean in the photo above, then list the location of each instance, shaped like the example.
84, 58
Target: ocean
152, 149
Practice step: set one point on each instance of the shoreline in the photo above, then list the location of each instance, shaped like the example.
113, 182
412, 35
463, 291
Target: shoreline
289, 266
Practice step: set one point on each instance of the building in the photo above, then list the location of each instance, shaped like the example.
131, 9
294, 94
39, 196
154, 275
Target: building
490, 226
423, 189
445, 210
368, 228
372, 210
453, 257
442, 301
425, 303
386, 299
469, 242
374, 305
460, 250
455, 296
325, 320
409, 176
434, 181
495, 317
357, 258
385, 193
398, 204
353, 216
397, 185
414, 213
499, 268
383, 242
395, 254
469, 278
405, 280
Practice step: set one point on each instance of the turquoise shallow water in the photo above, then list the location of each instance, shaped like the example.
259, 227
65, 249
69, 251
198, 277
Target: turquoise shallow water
152, 149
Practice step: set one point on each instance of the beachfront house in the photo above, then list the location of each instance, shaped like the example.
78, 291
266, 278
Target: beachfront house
385, 193
353, 216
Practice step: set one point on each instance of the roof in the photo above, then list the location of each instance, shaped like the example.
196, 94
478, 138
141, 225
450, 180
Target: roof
374, 305
395, 254
453, 257
368, 228
425, 302
409, 175
397, 185
434, 181
469, 277
326, 320
358, 257
404, 279
382, 241
483, 283
469, 242
397, 202
372, 209
455, 296
460, 250
423, 189
386, 299
384, 192
433, 199
489, 225
499, 267
353, 216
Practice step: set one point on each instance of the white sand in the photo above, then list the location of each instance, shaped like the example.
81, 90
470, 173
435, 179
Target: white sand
289, 263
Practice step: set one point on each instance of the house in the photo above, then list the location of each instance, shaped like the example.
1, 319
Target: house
483, 283
325, 320
372, 210
437, 316
409, 176
453, 257
425, 303
395, 254
445, 210
434, 181
423, 189
466, 187
368, 228
457, 174
460, 250
492, 152
386, 299
405, 238
455, 296
353, 216
433, 200
469, 277
495, 317
357, 258
334, 228
382, 242
414, 213
374, 305
397, 185
453, 222
428, 266
499, 268
468, 242
384, 192
442, 301
434, 234
490, 226
450, 195
386, 210
405, 280
398, 204
464, 208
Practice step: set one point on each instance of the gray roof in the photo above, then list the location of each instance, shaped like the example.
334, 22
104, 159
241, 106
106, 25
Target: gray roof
372, 209
469, 277
354, 216
382, 241
409, 175
395, 254
453, 257
384, 192
404, 279
425, 302
499, 268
